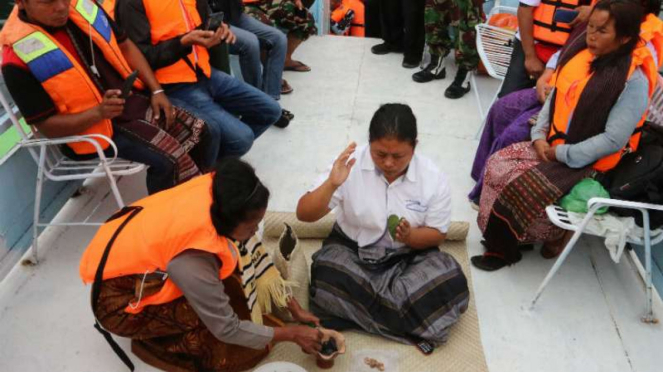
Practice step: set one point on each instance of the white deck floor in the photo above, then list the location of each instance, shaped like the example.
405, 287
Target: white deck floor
588, 320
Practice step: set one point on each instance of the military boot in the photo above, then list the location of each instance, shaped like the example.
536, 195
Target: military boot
433, 71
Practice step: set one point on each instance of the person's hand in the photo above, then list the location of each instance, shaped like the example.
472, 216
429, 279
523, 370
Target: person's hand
534, 66
541, 147
551, 154
309, 339
583, 15
301, 315
202, 38
342, 166
111, 105
160, 103
226, 34
403, 231
299, 4
305, 317
543, 88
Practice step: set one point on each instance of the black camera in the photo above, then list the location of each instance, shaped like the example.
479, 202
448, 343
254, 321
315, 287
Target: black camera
214, 22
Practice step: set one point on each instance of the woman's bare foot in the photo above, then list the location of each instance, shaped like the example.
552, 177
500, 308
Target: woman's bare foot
553, 248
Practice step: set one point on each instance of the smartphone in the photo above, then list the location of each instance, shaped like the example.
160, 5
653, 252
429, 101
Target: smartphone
425, 347
565, 16
301, 13
128, 84
214, 21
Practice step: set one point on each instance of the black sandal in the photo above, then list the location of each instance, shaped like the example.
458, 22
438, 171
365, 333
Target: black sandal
489, 262
284, 120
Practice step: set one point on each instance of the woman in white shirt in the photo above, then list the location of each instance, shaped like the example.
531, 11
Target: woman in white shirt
400, 286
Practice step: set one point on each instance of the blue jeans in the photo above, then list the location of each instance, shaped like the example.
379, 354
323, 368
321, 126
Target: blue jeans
161, 166
252, 36
221, 100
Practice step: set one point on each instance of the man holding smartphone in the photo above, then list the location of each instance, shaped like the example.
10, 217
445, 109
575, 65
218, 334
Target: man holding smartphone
55, 65
173, 36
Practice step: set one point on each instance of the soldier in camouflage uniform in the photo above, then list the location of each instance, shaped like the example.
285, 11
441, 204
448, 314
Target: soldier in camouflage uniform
289, 16
462, 16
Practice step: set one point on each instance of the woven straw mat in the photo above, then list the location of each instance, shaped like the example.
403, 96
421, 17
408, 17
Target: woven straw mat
463, 351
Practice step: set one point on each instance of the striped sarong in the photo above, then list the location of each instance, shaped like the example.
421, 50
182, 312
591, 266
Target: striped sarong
402, 294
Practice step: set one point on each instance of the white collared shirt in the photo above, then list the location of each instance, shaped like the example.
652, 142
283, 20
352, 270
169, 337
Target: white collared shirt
364, 202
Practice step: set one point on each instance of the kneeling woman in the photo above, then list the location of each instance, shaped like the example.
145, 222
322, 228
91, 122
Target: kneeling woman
165, 275
601, 89
400, 286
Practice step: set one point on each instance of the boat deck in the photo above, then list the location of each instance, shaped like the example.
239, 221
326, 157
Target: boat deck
587, 320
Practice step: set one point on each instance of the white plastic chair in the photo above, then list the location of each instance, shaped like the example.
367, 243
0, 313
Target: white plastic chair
494, 45
559, 217
54, 166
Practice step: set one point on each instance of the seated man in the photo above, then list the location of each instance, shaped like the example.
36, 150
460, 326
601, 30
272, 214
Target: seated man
173, 36
64, 86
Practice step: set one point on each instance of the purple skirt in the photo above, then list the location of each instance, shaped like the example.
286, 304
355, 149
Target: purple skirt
507, 123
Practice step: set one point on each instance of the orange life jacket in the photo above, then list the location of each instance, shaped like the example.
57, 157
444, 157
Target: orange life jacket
545, 28
170, 222
651, 31
169, 19
60, 73
109, 7
570, 83
358, 23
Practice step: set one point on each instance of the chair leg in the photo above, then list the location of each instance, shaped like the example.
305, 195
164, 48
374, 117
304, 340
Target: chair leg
113, 184
649, 310
565, 253
483, 118
476, 94
37, 211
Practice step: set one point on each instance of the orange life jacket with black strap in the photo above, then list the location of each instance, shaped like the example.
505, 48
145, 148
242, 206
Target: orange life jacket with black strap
357, 28
169, 19
169, 223
545, 28
570, 83
65, 80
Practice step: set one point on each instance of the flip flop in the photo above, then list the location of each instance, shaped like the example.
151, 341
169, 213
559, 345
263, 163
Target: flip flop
297, 67
285, 87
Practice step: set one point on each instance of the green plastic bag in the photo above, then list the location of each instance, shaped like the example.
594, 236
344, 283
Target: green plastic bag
576, 200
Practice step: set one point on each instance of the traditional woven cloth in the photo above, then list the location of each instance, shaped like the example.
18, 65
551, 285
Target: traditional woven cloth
261, 281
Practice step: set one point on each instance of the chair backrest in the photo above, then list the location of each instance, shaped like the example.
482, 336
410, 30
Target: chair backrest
495, 45
655, 114
53, 155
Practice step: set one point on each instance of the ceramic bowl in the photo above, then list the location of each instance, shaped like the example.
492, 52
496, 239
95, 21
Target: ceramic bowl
340, 343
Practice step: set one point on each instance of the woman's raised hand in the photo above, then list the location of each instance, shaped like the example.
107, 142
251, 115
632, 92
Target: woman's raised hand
342, 166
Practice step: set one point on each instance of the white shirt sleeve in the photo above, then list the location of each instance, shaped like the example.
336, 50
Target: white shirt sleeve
552, 62
438, 215
532, 3
337, 197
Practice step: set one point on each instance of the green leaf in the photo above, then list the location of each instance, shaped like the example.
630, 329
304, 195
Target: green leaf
392, 224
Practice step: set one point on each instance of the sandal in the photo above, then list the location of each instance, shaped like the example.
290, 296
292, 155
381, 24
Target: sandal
284, 120
297, 66
488, 262
285, 87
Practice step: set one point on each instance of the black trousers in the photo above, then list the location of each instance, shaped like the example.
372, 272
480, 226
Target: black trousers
516, 77
403, 25
372, 18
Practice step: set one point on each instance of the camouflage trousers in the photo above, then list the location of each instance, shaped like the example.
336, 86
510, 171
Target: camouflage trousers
282, 15
450, 25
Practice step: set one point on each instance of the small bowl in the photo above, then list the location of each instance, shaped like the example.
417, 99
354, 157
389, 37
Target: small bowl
324, 360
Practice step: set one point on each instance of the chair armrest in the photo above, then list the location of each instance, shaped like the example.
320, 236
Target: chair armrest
92, 139
600, 202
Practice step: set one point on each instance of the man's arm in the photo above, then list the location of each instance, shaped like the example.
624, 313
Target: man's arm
533, 65
131, 17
